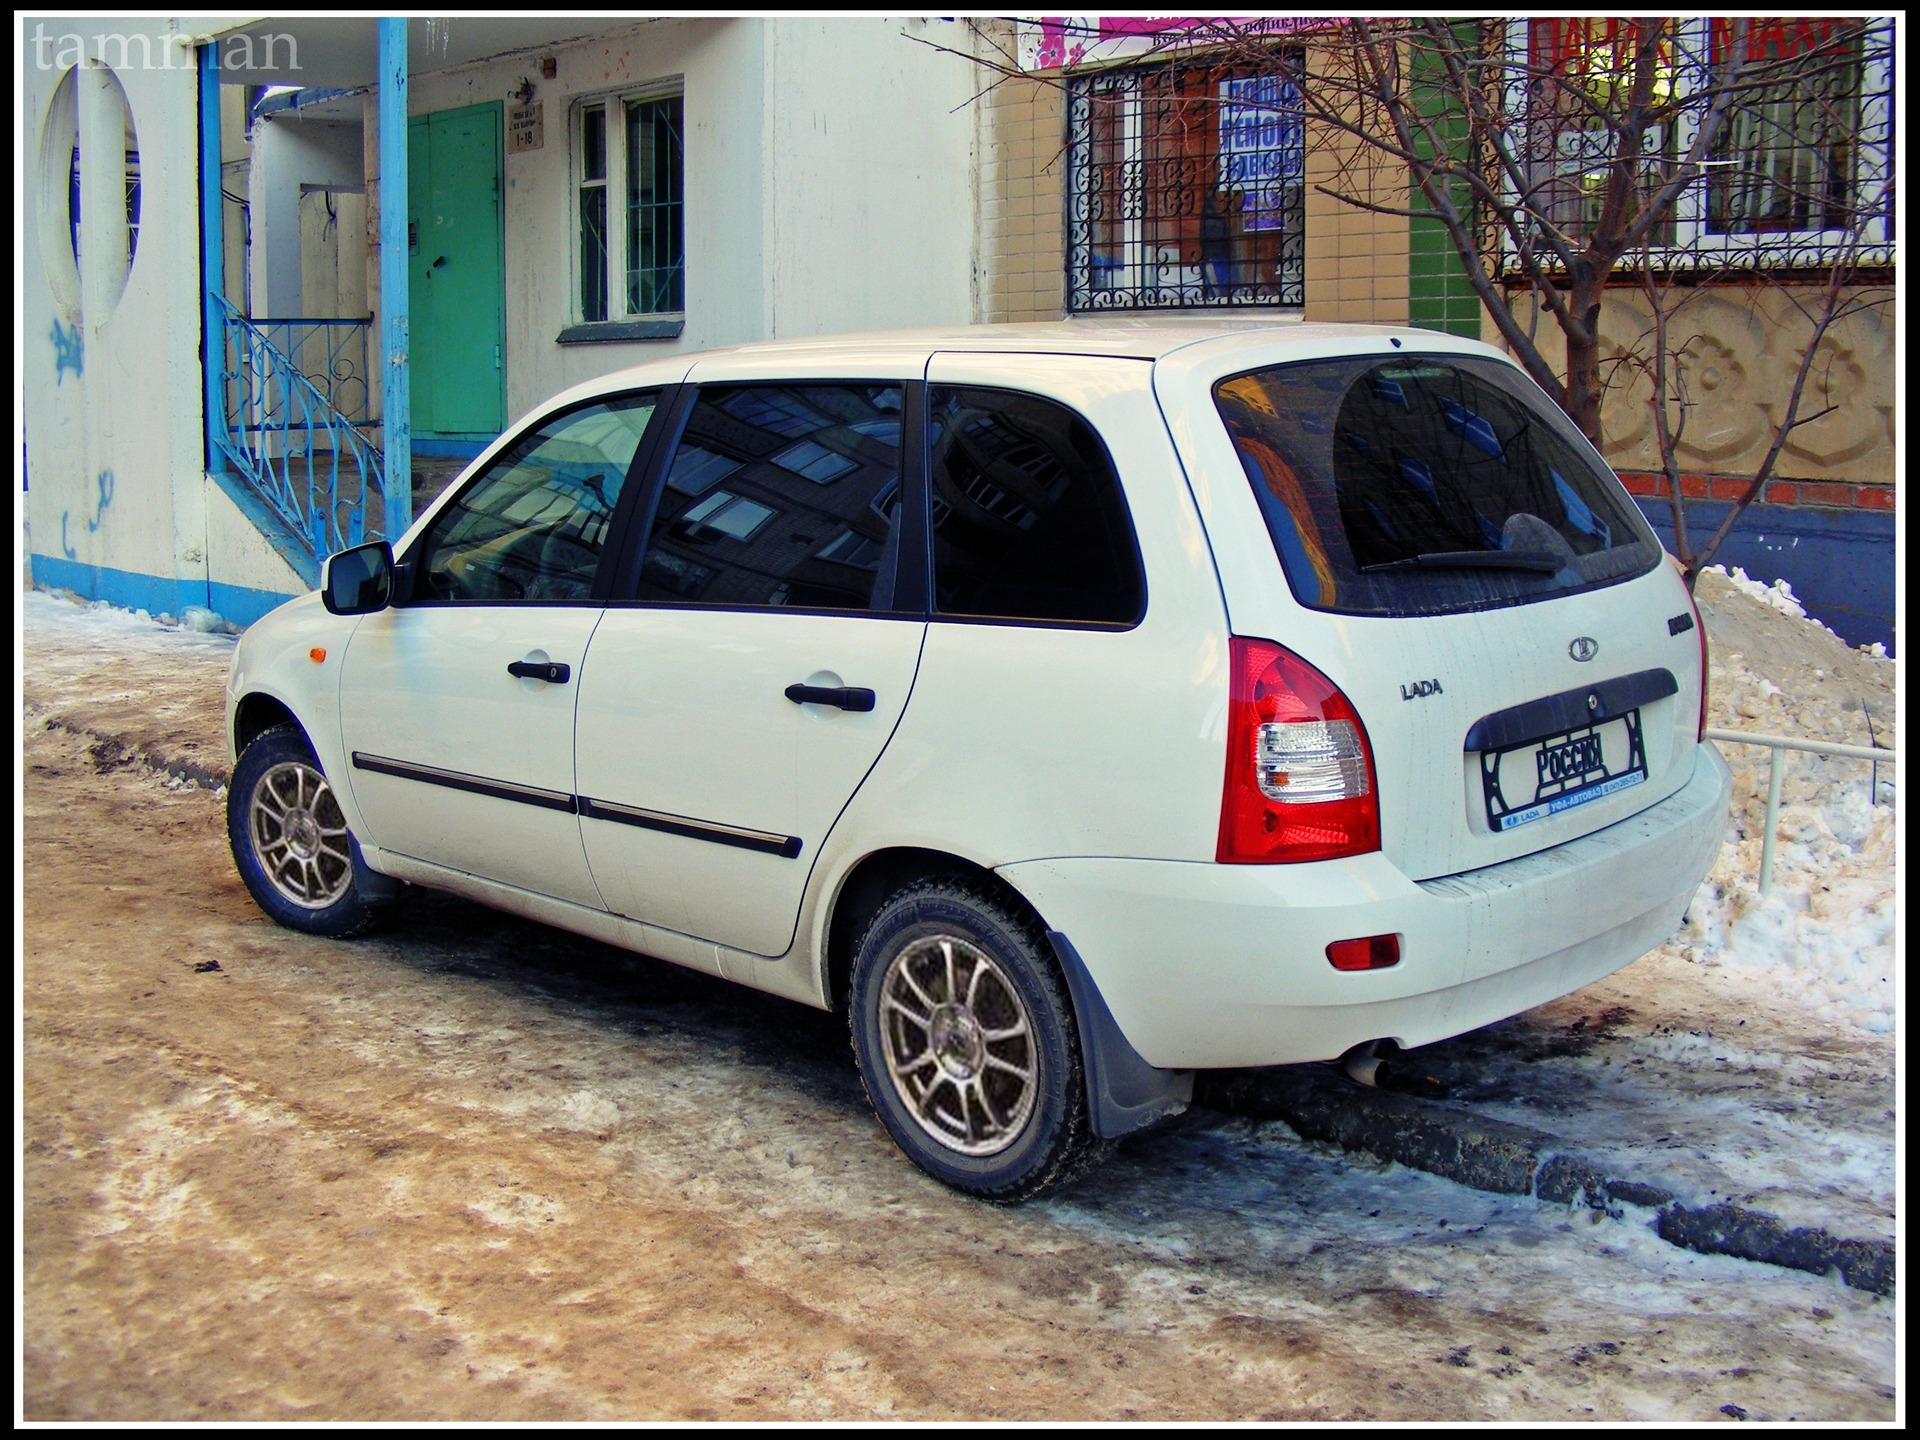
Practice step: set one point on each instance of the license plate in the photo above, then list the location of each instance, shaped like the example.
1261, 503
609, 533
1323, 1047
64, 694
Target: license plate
1544, 777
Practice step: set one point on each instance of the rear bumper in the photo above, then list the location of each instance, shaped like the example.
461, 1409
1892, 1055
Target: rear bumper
1208, 965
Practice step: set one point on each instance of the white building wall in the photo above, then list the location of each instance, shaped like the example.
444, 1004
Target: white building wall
869, 175
111, 380
289, 153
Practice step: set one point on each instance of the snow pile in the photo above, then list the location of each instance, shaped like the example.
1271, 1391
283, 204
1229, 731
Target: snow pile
1779, 594
101, 626
1825, 936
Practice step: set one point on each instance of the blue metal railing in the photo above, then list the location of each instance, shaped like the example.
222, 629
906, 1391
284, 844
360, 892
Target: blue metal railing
293, 445
333, 355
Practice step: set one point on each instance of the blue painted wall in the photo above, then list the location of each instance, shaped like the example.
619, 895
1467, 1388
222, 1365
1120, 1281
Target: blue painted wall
155, 594
1839, 562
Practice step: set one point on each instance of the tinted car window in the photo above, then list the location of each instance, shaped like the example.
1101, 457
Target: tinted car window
782, 495
532, 526
1029, 519
1421, 485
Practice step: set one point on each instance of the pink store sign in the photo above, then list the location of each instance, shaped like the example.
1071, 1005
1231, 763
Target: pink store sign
1060, 42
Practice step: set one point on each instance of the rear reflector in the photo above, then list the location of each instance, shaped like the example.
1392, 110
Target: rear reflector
1375, 952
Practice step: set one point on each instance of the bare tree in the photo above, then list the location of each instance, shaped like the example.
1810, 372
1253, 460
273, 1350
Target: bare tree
1564, 157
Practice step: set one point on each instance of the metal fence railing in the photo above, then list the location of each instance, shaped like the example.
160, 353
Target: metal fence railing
1776, 771
306, 460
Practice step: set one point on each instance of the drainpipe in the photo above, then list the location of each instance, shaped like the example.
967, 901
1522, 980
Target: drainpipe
395, 389
212, 256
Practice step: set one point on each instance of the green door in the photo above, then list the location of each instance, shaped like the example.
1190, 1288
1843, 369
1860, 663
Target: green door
455, 271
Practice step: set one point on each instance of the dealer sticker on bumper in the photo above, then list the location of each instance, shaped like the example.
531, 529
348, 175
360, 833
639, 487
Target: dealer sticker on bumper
1543, 777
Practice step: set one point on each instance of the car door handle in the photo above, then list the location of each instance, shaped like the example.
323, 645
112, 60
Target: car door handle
844, 696
549, 671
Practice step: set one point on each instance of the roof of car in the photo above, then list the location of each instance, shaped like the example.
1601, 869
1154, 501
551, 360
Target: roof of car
1141, 337
1128, 337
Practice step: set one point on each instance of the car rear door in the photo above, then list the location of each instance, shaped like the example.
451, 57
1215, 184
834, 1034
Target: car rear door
457, 706
755, 659
1430, 532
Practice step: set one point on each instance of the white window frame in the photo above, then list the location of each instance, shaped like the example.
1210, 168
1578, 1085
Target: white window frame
1693, 244
614, 103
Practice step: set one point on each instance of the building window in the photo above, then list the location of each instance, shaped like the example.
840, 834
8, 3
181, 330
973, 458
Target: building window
593, 213
632, 147
1786, 159
656, 251
1799, 171
1185, 189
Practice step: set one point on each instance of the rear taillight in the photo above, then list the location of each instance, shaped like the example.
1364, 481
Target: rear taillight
1300, 782
1697, 625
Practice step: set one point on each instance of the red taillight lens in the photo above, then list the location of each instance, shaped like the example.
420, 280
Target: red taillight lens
1300, 783
1701, 627
1376, 952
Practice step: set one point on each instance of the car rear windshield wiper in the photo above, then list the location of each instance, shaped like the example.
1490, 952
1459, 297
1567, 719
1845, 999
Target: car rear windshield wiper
1536, 560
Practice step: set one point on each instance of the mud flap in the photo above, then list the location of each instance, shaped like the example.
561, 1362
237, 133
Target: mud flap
1124, 1092
369, 884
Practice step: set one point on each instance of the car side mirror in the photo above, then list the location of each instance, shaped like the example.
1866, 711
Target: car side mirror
358, 581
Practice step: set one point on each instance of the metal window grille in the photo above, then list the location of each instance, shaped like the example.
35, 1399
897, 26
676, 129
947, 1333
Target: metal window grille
1799, 174
1787, 154
656, 253
1185, 189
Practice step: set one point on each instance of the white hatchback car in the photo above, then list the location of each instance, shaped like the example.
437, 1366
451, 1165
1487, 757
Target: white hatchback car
1077, 705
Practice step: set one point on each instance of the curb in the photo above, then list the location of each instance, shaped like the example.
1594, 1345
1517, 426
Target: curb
1509, 1159
113, 753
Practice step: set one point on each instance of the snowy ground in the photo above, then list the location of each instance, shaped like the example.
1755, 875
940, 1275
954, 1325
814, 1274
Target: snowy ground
1753, 1058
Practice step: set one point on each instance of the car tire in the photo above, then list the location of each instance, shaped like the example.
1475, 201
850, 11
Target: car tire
966, 1042
290, 842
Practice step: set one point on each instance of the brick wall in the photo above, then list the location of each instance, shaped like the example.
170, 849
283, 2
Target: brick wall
1022, 179
1356, 260
1828, 494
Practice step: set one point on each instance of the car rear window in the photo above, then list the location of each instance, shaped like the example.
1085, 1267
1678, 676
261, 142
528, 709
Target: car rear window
1427, 485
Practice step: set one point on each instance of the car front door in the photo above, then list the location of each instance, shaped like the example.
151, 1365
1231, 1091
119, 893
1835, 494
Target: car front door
457, 706
748, 675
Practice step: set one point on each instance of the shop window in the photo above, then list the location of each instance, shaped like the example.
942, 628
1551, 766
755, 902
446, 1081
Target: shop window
1186, 188
1799, 170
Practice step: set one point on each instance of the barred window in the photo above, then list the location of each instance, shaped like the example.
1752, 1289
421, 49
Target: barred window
1800, 168
630, 150
1786, 159
1185, 189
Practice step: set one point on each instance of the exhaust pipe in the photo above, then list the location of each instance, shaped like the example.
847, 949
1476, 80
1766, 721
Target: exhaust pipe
1362, 1065
1382, 1065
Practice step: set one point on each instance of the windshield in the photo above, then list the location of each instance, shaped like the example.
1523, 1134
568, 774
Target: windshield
1426, 485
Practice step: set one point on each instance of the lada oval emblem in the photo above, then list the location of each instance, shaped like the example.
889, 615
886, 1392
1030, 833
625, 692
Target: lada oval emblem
1584, 647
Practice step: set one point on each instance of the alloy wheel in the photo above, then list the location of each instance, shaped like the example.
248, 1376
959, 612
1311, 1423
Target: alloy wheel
300, 836
959, 1045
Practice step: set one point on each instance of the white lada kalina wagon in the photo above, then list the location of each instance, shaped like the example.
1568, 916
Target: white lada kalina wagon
1077, 705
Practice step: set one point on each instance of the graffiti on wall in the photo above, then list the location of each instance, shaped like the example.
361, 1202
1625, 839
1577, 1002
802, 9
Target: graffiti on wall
104, 483
69, 351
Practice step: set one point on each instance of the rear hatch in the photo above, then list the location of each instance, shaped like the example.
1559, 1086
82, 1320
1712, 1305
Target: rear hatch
1453, 554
